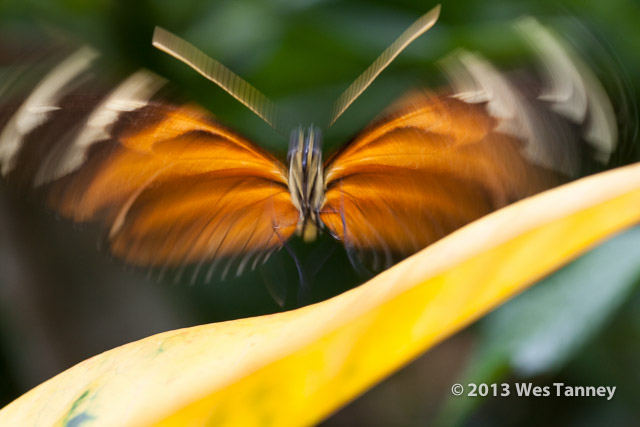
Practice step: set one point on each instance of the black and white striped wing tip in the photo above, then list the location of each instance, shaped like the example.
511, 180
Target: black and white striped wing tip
39, 108
41, 101
570, 89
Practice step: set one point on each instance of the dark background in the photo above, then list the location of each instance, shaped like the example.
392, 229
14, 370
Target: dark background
62, 300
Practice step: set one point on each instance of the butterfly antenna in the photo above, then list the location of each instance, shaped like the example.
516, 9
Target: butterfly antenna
365, 79
213, 70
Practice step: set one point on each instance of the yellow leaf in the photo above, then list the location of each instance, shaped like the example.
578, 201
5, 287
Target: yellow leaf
297, 367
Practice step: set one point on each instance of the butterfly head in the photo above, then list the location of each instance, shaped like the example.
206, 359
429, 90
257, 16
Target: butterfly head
306, 178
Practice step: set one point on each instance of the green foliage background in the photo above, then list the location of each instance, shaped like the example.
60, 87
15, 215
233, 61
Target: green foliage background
61, 301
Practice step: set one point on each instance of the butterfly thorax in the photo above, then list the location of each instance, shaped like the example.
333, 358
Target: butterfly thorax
306, 178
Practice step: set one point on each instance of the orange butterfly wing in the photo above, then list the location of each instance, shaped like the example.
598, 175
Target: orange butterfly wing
177, 188
433, 165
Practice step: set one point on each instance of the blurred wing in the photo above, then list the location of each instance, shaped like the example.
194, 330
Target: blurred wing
440, 161
421, 173
172, 186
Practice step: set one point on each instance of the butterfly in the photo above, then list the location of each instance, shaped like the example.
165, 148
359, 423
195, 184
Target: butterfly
174, 187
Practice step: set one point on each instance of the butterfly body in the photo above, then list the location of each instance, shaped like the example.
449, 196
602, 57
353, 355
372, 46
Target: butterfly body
306, 179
